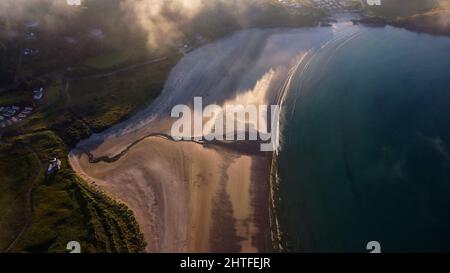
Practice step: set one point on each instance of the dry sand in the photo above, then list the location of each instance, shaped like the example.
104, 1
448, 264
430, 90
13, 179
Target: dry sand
187, 196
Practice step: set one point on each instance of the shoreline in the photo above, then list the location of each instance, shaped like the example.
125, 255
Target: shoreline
267, 176
212, 192
188, 187
279, 244
249, 228
255, 164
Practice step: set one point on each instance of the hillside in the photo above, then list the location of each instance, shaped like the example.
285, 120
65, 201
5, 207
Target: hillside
428, 16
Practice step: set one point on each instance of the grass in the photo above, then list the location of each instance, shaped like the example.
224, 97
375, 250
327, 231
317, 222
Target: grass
65, 208
92, 104
17, 168
427, 16
18, 97
105, 101
400, 8
114, 59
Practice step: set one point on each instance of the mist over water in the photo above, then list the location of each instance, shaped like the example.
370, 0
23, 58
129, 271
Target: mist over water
366, 145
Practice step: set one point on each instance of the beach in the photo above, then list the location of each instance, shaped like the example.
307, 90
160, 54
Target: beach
191, 196
187, 197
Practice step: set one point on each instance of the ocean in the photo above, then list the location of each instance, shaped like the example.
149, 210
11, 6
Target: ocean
365, 146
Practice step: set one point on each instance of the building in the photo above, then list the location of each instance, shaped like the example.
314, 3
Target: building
54, 166
38, 93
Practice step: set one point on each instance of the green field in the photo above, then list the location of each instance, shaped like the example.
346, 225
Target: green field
62, 208
401, 8
39, 213
105, 101
115, 58
18, 166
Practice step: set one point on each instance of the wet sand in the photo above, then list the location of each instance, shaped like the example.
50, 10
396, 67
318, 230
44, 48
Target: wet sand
187, 196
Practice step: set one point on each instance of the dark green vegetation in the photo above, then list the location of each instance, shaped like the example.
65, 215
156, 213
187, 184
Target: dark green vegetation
64, 208
99, 35
105, 101
90, 85
96, 70
77, 107
73, 35
18, 167
218, 21
53, 210
435, 21
400, 8
428, 16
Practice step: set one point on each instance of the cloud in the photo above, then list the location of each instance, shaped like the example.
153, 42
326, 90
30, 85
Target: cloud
166, 21
20, 9
161, 19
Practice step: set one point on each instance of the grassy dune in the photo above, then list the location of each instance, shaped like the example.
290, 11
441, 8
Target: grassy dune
48, 212
18, 167
62, 208
40, 213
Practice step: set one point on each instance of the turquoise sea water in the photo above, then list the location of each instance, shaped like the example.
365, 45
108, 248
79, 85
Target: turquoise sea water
366, 145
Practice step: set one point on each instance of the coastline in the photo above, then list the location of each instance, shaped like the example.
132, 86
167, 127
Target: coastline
252, 66
326, 189
182, 188
432, 22
279, 243
189, 195
198, 187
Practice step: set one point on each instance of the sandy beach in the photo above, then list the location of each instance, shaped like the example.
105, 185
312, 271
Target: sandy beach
189, 196
186, 197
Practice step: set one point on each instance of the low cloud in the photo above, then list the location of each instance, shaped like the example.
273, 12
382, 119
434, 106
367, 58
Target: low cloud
167, 21
163, 22
161, 19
